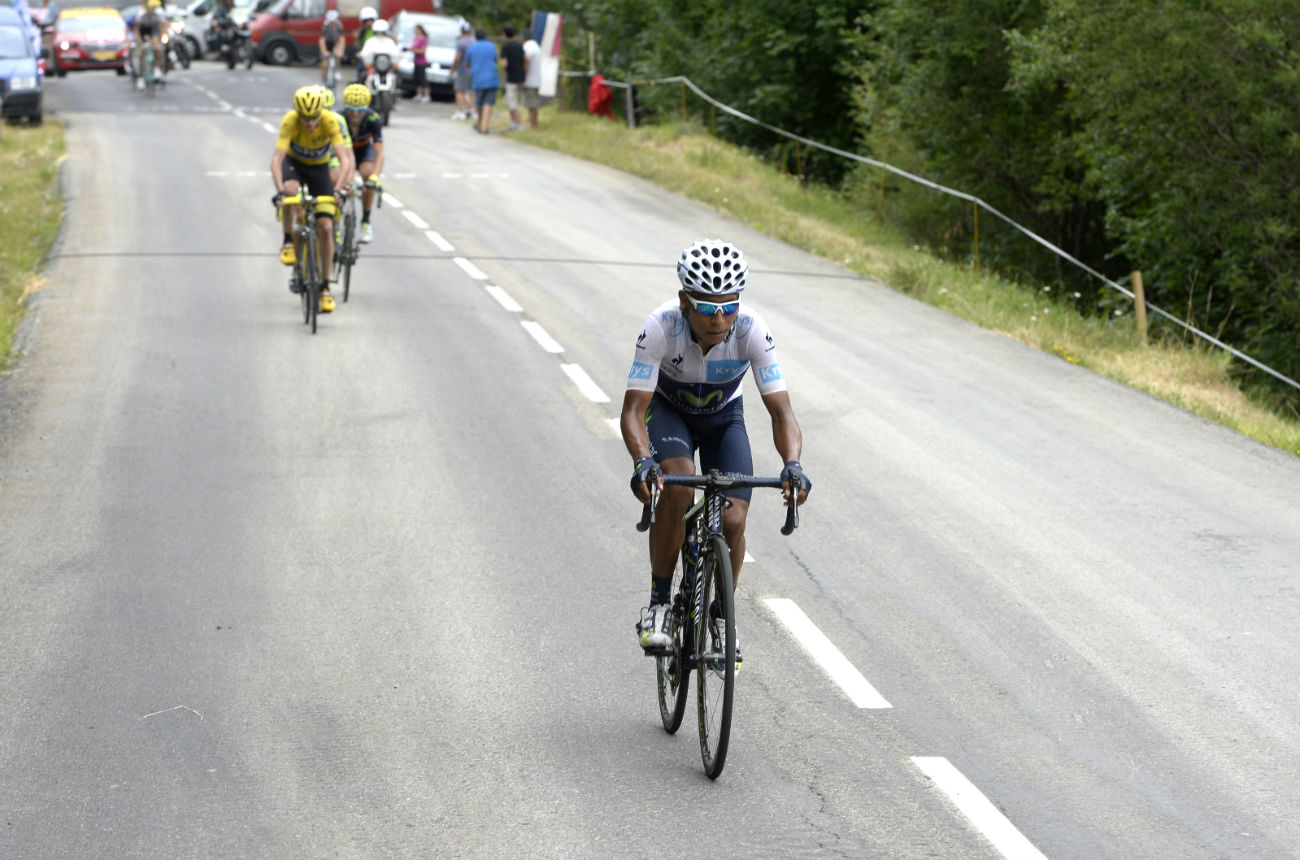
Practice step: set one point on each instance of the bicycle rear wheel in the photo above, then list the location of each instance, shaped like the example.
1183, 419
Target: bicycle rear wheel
715, 647
310, 266
673, 670
348, 253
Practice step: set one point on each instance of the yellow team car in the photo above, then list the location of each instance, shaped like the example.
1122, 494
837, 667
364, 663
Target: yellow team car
91, 37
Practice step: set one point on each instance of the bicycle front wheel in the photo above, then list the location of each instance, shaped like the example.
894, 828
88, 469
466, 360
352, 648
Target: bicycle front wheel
715, 649
310, 266
348, 252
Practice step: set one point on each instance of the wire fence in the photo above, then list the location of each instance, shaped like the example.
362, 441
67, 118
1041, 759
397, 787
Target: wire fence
630, 116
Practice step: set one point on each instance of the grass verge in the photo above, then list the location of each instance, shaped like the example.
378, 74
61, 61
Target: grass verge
684, 158
30, 211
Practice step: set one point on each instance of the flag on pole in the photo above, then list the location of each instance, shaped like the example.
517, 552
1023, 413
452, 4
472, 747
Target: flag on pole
546, 30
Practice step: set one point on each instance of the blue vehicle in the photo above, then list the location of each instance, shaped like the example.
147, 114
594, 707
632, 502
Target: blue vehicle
20, 76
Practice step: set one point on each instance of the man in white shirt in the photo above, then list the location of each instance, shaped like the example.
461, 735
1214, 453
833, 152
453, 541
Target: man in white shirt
532, 78
380, 42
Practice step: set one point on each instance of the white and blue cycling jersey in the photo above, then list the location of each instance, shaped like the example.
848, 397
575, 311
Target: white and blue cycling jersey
669, 361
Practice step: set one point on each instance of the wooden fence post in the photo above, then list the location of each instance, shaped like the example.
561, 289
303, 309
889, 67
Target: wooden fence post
1140, 305
880, 200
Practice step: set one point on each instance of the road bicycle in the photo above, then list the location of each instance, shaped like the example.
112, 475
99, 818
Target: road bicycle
332, 72
307, 272
347, 235
703, 629
148, 69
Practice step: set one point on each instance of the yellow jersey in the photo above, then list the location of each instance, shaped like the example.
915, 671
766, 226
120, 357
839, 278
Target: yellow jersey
310, 146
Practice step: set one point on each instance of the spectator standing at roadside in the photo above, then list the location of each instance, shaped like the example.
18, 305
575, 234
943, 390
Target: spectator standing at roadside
532, 79
419, 45
512, 57
464, 82
482, 59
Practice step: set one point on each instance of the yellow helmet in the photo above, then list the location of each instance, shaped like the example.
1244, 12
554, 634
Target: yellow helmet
327, 97
155, 4
307, 101
356, 95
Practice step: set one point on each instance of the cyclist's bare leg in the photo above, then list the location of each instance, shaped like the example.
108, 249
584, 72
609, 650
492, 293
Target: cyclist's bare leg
325, 230
367, 169
669, 528
733, 528
290, 214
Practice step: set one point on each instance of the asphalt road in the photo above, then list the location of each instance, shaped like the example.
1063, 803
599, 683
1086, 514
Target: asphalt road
371, 593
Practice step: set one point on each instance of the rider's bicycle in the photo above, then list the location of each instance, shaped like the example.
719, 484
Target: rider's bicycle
308, 274
347, 236
704, 614
332, 72
148, 69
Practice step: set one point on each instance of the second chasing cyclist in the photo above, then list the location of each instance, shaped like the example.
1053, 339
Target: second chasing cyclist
367, 147
684, 394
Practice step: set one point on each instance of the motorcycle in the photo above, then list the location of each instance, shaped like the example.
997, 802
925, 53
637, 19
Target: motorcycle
176, 52
381, 79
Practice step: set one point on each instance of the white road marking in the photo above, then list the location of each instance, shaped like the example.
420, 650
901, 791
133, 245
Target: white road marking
748, 558
404, 175
470, 269
830, 658
995, 826
585, 383
420, 223
436, 238
393, 201
539, 334
504, 299
616, 426
453, 176
269, 128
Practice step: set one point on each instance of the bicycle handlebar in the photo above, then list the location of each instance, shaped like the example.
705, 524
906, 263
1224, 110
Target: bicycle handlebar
298, 198
718, 481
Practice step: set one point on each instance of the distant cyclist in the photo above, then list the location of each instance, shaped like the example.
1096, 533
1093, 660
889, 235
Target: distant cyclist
309, 136
367, 147
150, 24
331, 43
684, 394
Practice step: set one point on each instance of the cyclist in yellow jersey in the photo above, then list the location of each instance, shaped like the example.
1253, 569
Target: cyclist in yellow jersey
309, 137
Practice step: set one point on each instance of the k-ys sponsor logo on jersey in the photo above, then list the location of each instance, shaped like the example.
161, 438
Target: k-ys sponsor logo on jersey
674, 322
641, 370
727, 369
742, 326
771, 373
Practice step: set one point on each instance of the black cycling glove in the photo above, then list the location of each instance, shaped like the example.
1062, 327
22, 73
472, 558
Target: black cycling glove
794, 472
645, 471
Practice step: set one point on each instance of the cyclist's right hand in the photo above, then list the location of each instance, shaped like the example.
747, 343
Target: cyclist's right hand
645, 472
277, 199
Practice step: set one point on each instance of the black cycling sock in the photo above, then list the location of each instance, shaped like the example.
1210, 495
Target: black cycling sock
365, 217
287, 238
660, 590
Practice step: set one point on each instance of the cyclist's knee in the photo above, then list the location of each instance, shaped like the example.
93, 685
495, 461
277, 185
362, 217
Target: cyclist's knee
733, 518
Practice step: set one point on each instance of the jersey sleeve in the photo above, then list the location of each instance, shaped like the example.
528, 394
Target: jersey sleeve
286, 130
336, 138
761, 353
649, 354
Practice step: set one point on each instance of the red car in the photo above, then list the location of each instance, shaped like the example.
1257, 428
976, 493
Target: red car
89, 38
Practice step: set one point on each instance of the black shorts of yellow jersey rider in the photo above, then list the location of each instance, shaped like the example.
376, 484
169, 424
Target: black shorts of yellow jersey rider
309, 150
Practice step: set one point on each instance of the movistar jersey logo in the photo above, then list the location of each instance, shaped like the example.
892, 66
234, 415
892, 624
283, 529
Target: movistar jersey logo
697, 402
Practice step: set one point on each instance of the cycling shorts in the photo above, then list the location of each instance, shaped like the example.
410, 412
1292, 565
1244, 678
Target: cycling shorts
364, 153
315, 176
720, 437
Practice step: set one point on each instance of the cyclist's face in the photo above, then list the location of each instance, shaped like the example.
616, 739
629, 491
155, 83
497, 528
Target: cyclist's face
709, 331
307, 123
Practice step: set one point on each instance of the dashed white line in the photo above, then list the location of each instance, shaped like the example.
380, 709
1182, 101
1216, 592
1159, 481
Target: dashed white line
470, 269
503, 298
269, 128
830, 658
393, 201
442, 244
420, 223
995, 826
539, 334
615, 425
585, 383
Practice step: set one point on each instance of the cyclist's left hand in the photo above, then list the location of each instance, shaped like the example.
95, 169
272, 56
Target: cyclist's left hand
794, 471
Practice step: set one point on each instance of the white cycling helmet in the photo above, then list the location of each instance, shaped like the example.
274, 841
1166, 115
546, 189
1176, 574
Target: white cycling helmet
712, 267
380, 26
367, 13
332, 15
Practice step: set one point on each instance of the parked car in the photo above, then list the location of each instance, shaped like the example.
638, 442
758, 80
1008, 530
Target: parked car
20, 75
91, 37
288, 31
443, 31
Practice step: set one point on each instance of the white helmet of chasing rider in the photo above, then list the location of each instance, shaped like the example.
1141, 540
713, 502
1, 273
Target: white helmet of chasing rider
368, 14
332, 15
380, 26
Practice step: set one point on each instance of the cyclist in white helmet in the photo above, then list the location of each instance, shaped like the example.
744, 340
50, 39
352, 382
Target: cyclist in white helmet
331, 43
684, 394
